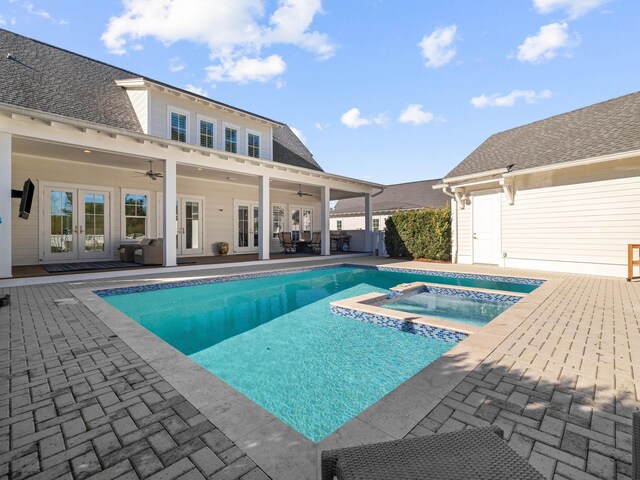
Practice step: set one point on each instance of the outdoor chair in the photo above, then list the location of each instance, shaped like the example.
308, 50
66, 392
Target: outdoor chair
468, 454
314, 244
287, 244
150, 253
127, 250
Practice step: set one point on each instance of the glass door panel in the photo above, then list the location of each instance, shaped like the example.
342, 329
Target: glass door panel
93, 224
243, 227
256, 226
190, 226
295, 224
60, 224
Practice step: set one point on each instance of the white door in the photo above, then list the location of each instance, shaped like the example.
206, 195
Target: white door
486, 228
246, 227
189, 217
301, 221
76, 224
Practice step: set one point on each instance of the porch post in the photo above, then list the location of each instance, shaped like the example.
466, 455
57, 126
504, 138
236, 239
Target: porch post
6, 212
368, 237
325, 232
169, 213
264, 222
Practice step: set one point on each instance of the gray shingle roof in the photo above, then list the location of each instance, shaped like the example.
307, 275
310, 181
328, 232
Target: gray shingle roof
49, 79
601, 129
289, 149
402, 196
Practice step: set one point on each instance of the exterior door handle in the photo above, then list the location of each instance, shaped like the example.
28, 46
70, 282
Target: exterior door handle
475, 236
81, 229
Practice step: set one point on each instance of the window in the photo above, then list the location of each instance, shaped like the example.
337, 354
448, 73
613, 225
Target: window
253, 145
178, 126
230, 140
207, 134
376, 224
307, 223
339, 224
277, 220
135, 215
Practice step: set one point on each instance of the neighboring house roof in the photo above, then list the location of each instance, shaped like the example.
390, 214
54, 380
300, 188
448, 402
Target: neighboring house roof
602, 129
49, 79
402, 196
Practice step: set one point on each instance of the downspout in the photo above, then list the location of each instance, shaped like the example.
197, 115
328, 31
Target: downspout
454, 254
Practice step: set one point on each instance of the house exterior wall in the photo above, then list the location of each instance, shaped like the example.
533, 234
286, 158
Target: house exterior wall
577, 220
218, 202
161, 102
355, 222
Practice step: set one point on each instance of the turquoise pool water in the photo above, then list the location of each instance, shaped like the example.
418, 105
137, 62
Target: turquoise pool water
459, 309
274, 340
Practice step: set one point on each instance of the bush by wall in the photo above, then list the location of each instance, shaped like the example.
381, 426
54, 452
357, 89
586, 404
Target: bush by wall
419, 234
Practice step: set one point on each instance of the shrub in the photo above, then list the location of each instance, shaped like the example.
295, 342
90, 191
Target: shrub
419, 234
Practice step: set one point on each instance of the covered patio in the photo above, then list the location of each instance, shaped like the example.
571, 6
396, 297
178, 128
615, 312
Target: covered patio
94, 193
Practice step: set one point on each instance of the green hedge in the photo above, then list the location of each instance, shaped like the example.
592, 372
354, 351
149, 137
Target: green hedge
419, 234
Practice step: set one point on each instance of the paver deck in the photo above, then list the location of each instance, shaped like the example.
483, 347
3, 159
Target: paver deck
77, 402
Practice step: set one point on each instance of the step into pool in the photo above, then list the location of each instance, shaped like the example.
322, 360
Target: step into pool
273, 338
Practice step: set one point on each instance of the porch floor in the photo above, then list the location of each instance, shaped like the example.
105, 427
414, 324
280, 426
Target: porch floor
25, 271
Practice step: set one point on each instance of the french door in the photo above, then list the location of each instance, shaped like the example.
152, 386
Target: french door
301, 221
76, 224
246, 230
189, 225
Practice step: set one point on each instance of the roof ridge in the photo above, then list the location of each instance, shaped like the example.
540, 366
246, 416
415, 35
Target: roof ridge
414, 181
566, 113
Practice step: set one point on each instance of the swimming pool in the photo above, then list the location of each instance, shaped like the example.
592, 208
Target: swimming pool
273, 338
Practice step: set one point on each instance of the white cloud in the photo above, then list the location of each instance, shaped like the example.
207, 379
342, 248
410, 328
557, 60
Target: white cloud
546, 43
415, 115
509, 100
33, 10
7, 20
243, 70
353, 119
137, 47
176, 64
321, 126
437, 48
196, 90
299, 134
574, 8
236, 32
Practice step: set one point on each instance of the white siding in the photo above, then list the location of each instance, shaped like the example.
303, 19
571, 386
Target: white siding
218, 207
139, 101
465, 246
355, 222
574, 220
158, 123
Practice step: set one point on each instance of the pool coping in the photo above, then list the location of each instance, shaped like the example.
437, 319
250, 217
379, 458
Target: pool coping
275, 447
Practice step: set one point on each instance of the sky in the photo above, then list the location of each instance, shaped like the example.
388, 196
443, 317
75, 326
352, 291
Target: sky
388, 91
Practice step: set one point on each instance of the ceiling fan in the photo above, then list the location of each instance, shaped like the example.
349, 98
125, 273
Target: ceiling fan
152, 174
300, 193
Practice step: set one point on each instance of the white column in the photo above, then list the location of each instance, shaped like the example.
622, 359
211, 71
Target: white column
169, 213
368, 221
6, 210
325, 232
265, 219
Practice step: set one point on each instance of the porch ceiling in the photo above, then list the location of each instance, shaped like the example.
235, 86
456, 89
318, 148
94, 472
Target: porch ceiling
69, 153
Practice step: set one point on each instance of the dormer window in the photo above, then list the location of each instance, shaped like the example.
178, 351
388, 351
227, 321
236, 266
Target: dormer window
178, 122
230, 139
253, 144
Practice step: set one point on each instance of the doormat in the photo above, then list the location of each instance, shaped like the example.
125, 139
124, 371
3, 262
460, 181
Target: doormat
74, 267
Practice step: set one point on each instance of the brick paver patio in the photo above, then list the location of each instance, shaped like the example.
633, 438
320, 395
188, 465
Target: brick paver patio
77, 402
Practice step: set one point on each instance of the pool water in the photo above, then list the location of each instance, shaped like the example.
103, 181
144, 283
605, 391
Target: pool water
275, 340
466, 310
